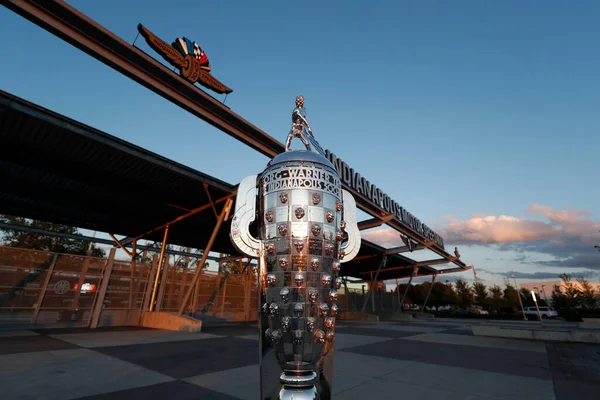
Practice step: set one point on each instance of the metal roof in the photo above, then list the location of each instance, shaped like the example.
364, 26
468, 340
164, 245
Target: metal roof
59, 170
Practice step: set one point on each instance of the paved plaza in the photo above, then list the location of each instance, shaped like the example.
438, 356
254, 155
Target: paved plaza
435, 359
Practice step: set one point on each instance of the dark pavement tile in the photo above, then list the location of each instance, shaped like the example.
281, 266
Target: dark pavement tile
28, 344
569, 390
519, 363
580, 362
165, 391
388, 333
232, 330
463, 332
190, 357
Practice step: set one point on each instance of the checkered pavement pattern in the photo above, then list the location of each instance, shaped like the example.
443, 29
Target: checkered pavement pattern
416, 360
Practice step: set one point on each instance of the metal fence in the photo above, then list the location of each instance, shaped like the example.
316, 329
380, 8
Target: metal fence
39, 288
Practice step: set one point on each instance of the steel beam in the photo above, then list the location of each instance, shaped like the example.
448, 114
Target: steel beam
428, 292
415, 270
97, 240
223, 216
381, 265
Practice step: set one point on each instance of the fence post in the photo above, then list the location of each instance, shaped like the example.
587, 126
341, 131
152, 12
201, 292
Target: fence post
103, 286
49, 272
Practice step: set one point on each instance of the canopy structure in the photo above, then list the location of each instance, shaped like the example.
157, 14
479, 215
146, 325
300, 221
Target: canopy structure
55, 169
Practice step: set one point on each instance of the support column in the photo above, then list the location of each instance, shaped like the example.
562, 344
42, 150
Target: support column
224, 214
383, 261
148, 289
163, 284
429, 292
132, 274
347, 294
102, 290
415, 269
49, 272
161, 260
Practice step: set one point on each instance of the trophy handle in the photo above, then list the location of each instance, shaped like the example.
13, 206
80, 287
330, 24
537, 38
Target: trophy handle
351, 247
245, 213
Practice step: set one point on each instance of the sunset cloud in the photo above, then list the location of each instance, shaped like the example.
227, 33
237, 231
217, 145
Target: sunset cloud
566, 235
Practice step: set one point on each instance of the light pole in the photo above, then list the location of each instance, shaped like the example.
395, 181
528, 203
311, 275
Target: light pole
536, 304
545, 297
519, 296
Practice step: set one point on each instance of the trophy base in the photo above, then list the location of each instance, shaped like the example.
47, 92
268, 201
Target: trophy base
298, 385
295, 393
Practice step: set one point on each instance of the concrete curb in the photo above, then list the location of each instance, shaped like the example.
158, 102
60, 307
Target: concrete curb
578, 336
170, 322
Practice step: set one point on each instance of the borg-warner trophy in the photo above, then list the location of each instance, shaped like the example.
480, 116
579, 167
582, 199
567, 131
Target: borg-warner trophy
306, 227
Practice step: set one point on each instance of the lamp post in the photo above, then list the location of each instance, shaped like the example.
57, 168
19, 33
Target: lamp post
545, 297
536, 304
519, 296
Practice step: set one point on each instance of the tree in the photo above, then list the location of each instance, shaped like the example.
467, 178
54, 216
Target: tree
36, 241
526, 298
587, 293
464, 293
511, 296
572, 292
450, 297
438, 295
496, 300
481, 295
558, 298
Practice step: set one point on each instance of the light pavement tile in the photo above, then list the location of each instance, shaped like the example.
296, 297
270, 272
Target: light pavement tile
478, 383
385, 389
346, 340
369, 366
4, 334
405, 328
241, 382
478, 341
249, 337
109, 339
65, 374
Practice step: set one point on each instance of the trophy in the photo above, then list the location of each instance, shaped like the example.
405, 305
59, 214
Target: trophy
306, 226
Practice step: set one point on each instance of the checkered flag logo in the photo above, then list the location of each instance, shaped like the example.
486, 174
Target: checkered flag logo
186, 46
198, 53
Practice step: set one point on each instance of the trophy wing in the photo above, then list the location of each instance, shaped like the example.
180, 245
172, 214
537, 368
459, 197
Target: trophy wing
245, 213
352, 246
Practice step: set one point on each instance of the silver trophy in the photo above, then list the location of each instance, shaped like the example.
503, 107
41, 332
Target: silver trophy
306, 228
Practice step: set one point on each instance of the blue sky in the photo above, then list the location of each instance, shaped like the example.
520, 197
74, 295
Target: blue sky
462, 108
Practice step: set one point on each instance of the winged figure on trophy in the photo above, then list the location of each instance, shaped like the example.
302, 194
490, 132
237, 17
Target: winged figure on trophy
301, 129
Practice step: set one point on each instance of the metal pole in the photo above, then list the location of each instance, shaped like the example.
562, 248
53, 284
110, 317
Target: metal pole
519, 295
383, 261
429, 292
99, 303
49, 272
415, 269
398, 291
545, 297
224, 214
536, 304
161, 259
347, 294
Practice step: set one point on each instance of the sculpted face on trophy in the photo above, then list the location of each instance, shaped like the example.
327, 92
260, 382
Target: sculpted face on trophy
306, 228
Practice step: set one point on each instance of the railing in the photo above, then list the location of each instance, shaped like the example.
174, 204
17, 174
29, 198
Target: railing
39, 288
